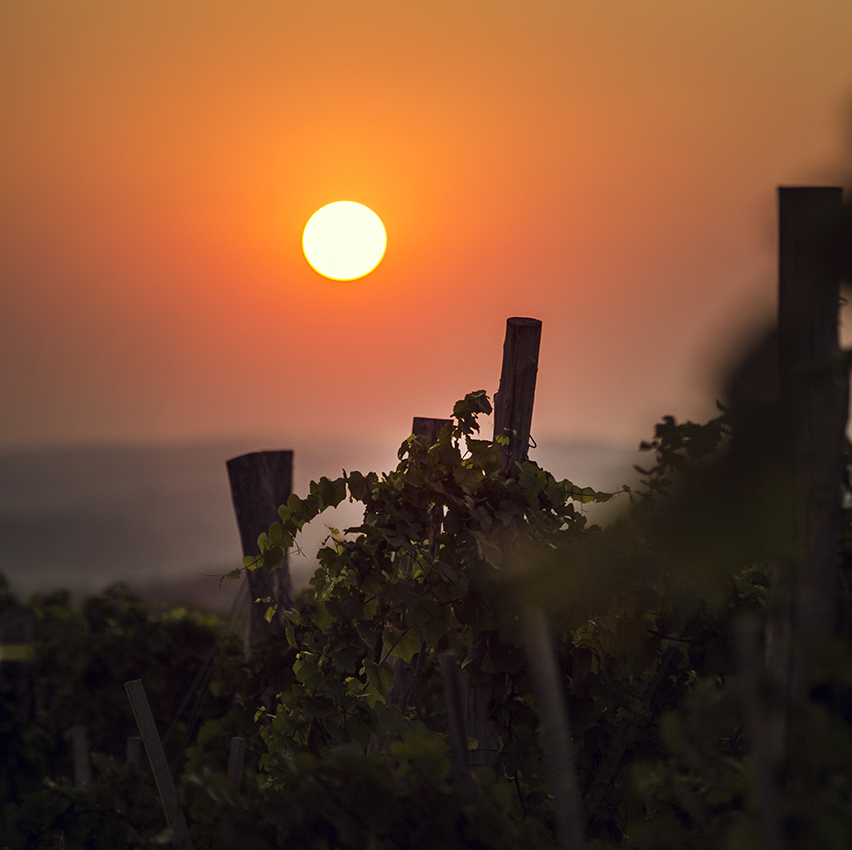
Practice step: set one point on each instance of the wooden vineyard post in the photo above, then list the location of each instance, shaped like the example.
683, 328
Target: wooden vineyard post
814, 406
403, 692
556, 733
513, 402
513, 408
159, 765
260, 483
429, 429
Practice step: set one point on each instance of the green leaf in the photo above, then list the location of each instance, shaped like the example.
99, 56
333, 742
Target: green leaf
273, 557
324, 618
467, 479
402, 644
329, 493
488, 550
279, 537
380, 678
306, 670
252, 562
465, 412
360, 485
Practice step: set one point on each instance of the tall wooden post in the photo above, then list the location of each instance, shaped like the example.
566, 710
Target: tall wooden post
513, 402
513, 408
814, 396
260, 483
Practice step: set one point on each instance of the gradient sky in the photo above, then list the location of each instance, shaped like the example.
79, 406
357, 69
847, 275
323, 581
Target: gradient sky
607, 167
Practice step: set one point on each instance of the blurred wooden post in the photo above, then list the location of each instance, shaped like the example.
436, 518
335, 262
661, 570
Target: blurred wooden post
82, 762
429, 429
556, 733
513, 402
16, 658
236, 759
260, 483
814, 400
159, 765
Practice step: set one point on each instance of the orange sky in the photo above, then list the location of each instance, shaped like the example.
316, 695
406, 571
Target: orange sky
609, 168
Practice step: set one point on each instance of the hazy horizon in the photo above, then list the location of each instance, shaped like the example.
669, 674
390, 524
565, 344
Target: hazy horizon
162, 519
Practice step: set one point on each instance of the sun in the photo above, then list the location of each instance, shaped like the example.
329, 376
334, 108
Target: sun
344, 240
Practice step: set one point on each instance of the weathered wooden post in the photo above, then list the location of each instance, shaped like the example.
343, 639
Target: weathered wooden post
513, 408
159, 765
513, 402
814, 402
429, 429
260, 483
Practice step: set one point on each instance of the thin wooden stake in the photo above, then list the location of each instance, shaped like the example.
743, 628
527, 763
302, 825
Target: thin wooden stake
556, 733
159, 765
236, 759
82, 762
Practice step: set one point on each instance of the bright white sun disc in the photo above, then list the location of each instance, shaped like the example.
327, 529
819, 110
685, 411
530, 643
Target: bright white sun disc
344, 240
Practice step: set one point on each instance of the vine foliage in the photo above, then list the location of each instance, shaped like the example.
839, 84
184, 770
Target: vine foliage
342, 707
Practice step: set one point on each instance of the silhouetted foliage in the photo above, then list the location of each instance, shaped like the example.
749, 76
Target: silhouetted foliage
645, 614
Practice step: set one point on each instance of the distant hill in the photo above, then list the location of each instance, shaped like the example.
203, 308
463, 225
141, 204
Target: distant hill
161, 519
